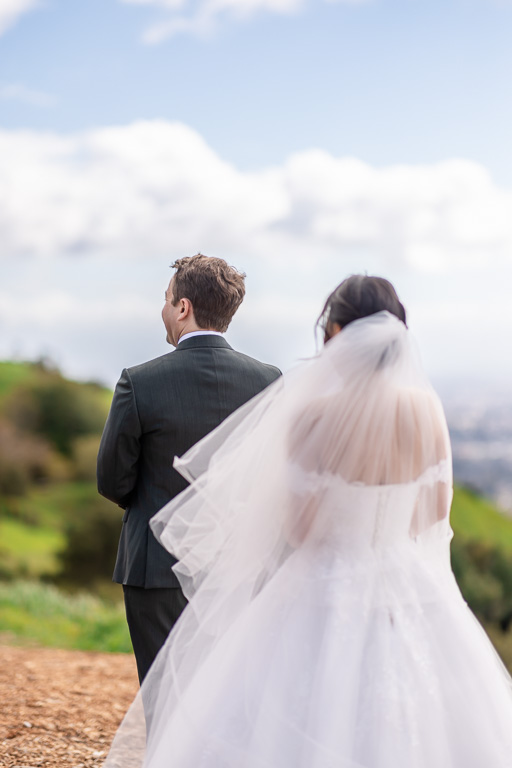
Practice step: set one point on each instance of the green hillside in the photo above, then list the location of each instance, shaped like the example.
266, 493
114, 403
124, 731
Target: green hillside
36, 529
54, 527
13, 375
474, 518
18, 376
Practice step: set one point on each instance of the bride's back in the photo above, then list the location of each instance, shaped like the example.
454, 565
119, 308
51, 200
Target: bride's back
372, 449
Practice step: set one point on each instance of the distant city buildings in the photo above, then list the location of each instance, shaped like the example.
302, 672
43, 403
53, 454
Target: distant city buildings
481, 432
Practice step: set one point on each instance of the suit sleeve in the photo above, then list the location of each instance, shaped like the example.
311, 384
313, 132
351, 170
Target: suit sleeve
119, 452
275, 373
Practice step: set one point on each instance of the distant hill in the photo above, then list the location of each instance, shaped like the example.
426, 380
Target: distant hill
37, 401
15, 375
50, 429
474, 518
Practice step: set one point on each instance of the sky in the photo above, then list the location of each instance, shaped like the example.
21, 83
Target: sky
301, 140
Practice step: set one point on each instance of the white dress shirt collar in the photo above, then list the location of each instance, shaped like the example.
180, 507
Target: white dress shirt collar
198, 333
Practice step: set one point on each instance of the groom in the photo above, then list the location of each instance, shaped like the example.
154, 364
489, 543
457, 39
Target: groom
160, 409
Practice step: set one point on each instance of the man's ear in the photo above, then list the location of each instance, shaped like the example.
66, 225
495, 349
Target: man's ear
185, 309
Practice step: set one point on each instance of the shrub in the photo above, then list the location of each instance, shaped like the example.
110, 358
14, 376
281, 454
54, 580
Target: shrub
92, 534
24, 460
57, 409
85, 453
484, 575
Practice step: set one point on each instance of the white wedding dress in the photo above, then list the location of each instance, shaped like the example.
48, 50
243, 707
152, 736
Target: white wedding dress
325, 628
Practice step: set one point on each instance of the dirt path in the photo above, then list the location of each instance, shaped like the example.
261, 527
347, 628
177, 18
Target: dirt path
61, 708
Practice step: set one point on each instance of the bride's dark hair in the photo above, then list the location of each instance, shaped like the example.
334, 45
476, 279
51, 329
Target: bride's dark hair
356, 297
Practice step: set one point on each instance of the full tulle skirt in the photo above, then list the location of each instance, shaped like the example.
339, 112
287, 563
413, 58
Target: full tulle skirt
340, 665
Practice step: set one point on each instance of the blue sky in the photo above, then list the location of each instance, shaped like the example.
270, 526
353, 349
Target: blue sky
389, 81
301, 140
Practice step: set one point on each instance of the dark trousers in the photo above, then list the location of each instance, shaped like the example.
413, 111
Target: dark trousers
151, 614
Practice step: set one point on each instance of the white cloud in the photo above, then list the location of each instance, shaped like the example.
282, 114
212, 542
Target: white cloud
430, 216
201, 18
11, 10
90, 222
20, 93
155, 188
149, 187
167, 4
200, 26
80, 332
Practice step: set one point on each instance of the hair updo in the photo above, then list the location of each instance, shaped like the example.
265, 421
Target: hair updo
356, 297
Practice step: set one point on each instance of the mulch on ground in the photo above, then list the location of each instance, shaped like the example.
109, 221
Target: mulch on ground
61, 708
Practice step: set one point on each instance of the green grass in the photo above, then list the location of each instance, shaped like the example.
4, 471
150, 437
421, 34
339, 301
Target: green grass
53, 504
32, 528
27, 550
43, 615
56, 502
502, 642
476, 519
13, 375
105, 396
17, 374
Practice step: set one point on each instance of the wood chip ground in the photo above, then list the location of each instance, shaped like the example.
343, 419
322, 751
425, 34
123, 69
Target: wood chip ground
61, 708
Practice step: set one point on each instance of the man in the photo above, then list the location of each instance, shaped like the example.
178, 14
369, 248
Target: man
160, 409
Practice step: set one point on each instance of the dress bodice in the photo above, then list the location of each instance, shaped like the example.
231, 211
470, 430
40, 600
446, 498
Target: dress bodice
369, 516
353, 517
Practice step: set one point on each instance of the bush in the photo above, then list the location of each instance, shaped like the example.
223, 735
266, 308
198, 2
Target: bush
24, 460
57, 409
484, 575
85, 453
92, 534
27, 550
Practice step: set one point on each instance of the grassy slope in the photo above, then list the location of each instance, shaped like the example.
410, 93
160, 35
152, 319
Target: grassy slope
32, 527
31, 535
50, 505
13, 375
41, 614
29, 551
474, 518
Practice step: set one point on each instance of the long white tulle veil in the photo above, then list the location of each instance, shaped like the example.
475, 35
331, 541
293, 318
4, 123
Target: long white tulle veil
313, 547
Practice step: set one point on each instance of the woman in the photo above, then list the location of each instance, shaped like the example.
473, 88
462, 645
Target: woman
325, 627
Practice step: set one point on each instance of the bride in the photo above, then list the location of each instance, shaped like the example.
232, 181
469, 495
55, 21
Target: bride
325, 628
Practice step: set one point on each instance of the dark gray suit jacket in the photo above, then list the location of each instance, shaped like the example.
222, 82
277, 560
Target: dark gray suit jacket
160, 410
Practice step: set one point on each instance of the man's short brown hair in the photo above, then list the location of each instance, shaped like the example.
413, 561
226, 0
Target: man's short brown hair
214, 289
